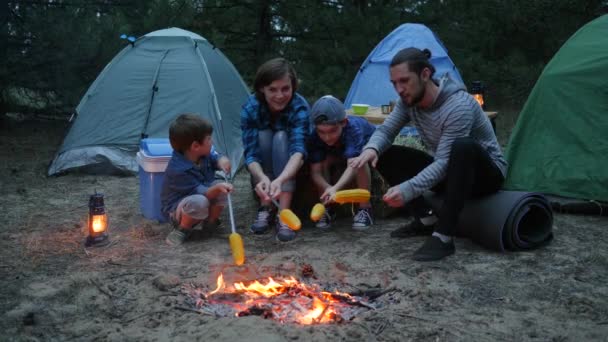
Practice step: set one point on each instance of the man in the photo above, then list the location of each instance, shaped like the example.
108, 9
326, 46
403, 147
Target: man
465, 161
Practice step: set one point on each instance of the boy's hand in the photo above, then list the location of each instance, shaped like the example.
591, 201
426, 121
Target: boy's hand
368, 155
328, 195
393, 197
224, 164
263, 189
217, 189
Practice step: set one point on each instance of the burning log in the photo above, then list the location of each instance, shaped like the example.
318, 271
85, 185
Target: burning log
256, 311
226, 297
352, 301
372, 293
322, 314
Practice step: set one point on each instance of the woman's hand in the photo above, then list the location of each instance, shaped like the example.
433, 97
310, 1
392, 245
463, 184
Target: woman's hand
275, 188
262, 189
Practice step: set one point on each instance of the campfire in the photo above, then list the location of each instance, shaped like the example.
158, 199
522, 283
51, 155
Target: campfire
286, 300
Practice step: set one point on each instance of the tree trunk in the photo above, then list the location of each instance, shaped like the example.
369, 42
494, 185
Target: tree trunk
263, 37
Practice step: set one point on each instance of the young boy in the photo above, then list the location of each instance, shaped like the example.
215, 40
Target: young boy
337, 139
189, 194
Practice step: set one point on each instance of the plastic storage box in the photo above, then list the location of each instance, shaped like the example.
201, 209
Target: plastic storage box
153, 156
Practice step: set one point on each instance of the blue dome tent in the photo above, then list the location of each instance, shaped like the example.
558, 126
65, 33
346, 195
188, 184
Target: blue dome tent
372, 83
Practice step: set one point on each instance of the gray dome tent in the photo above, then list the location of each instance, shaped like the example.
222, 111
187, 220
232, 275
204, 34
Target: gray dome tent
159, 76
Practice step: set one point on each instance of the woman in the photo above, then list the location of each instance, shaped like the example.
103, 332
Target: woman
275, 125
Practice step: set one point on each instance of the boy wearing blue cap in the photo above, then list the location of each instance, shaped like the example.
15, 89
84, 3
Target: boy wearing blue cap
335, 140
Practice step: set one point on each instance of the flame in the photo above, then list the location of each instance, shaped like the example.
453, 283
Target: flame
272, 288
320, 313
479, 99
99, 223
220, 284
287, 299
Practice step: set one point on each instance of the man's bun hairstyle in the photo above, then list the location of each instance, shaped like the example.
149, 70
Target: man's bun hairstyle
416, 59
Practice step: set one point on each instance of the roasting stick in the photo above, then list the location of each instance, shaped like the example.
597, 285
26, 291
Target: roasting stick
235, 239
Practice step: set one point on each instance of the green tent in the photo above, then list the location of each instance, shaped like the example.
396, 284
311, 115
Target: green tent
559, 145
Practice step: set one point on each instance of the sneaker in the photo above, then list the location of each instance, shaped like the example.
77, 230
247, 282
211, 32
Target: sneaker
284, 233
262, 221
325, 221
434, 249
429, 218
176, 237
363, 219
414, 228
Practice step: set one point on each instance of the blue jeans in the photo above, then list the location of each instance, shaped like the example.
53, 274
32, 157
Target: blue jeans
274, 150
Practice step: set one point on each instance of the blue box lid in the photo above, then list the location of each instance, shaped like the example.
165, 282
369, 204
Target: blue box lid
156, 147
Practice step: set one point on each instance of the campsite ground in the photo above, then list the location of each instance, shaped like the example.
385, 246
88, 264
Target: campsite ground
51, 288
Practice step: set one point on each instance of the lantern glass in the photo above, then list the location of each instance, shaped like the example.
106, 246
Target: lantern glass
479, 98
98, 224
477, 90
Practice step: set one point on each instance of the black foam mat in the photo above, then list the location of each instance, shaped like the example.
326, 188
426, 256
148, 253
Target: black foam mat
506, 220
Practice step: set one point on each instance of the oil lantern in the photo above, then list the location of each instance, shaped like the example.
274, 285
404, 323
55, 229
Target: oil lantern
98, 222
477, 90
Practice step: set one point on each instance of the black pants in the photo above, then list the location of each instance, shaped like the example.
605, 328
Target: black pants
471, 173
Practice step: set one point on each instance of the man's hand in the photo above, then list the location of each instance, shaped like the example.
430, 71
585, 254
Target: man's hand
368, 155
224, 164
220, 188
263, 189
393, 197
328, 195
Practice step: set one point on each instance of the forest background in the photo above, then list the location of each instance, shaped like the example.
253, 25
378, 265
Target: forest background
53, 50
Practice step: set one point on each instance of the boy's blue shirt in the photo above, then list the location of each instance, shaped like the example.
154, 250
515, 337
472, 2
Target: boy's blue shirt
184, 178
354, 136
256, 117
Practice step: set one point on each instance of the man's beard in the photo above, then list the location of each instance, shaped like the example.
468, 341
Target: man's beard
418, 98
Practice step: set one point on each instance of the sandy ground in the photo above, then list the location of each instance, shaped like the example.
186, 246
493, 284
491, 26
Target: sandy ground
51, 288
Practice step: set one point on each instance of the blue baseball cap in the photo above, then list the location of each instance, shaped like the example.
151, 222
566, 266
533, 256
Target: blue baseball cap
327, 110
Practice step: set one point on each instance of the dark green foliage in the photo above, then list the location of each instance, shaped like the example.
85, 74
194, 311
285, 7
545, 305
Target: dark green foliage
54, 50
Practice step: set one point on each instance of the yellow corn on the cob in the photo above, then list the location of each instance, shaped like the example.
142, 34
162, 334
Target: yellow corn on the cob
317, 212
238, 250
352, 196
290, 219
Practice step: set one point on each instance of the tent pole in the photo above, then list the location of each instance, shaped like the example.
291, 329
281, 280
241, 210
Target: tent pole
144, 132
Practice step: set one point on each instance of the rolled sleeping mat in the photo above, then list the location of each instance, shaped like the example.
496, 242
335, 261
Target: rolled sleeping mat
506, 220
